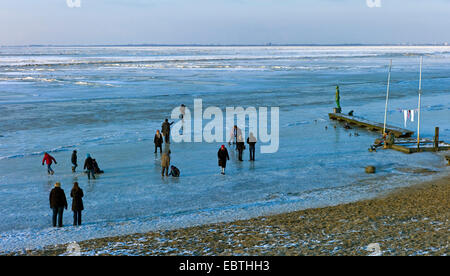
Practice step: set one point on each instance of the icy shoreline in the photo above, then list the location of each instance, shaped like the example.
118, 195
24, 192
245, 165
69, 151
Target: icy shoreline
38, 239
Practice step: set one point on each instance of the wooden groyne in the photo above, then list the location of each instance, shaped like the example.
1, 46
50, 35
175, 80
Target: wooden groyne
373, 126
410, 146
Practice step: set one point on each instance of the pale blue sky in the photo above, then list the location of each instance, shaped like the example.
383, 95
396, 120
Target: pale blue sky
223, 22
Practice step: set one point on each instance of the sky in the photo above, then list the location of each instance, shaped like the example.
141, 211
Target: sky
62, 22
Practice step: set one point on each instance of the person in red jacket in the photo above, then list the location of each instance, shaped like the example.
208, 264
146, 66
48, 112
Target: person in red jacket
48, 159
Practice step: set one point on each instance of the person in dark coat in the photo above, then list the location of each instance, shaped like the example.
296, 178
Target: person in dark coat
165, 129
240, 146
74, 160
96, 167
89, 166
223, 156
158, 140
77, 203
57, 203
251, 141
174, 171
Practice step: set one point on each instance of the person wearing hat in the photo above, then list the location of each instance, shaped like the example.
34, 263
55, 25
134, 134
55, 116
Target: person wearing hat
158, 140
89, 166
57, 203
74, 160
223, 156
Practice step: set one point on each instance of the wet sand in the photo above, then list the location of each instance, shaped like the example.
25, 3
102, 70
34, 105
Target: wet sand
409, 221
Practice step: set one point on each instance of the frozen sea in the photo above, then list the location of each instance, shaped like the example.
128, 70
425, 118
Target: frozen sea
108, 101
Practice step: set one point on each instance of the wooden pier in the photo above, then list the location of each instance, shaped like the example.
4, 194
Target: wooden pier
426, 146
373, 126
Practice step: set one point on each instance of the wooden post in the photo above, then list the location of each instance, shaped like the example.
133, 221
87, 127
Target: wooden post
387, 98
436, 139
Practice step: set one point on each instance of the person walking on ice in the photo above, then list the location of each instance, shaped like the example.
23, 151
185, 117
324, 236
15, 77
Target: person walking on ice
48, 159
223, 156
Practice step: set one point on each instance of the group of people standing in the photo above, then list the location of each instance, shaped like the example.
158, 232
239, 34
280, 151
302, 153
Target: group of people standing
236, 138
165, 156
90, 164
57, 198
222, 154
58, 203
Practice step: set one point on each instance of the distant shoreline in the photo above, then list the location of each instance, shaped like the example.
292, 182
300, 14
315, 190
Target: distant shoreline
234, 45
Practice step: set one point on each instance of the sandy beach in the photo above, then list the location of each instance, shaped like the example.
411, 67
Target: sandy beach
409, 221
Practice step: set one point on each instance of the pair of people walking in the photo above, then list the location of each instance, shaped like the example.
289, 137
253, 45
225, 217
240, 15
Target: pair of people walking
58, 203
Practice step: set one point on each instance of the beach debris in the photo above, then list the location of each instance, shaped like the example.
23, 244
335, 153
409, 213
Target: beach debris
370, 169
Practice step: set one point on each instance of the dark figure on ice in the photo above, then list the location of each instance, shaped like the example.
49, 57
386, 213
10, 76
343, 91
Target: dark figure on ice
74, 160
77, 203
89, 166
240, 146
235, 133
96, 167
165, 163
48, 159
57, 203
165, 129
223, 156
158, 140
174, 171
251, 141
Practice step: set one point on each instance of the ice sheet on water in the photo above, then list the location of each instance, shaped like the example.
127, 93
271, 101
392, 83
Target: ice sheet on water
315, 166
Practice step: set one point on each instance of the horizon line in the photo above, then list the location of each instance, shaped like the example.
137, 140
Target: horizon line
227, 45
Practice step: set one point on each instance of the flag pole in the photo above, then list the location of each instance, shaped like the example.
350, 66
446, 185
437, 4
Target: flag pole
387, 97
420, 92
